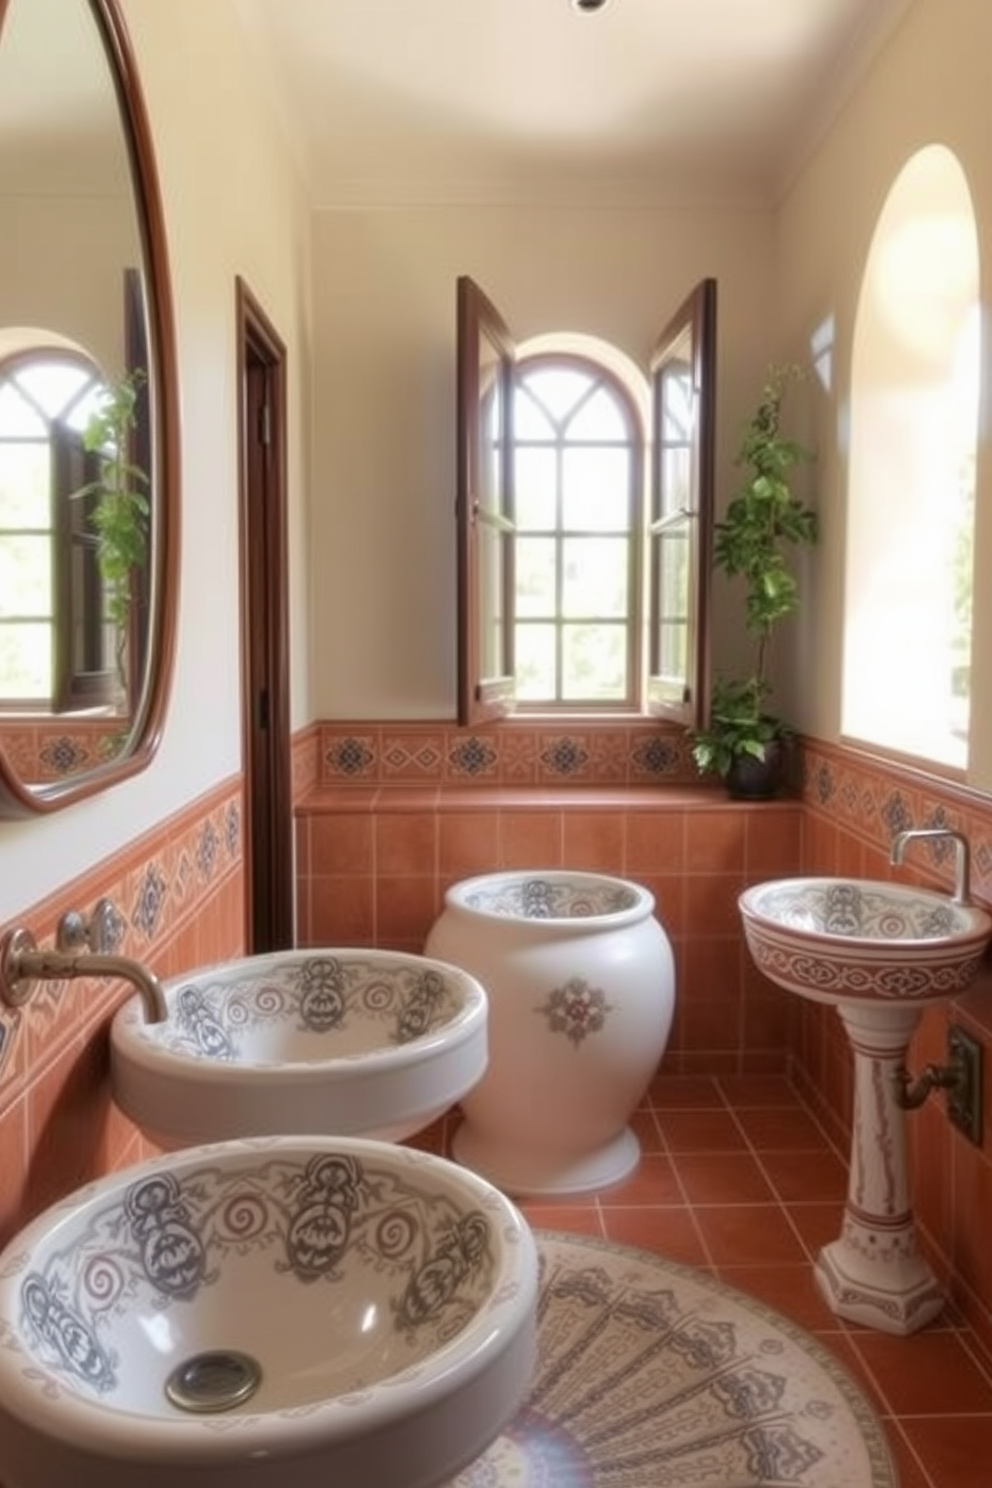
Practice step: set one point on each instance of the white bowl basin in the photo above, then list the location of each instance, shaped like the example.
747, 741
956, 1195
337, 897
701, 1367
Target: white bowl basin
338, 1042
386, 1296
839, 940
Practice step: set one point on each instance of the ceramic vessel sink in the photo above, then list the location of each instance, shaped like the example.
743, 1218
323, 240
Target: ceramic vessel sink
840, 940
254, 1314
338, 1042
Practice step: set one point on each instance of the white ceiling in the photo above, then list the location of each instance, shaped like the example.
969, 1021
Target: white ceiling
405, 101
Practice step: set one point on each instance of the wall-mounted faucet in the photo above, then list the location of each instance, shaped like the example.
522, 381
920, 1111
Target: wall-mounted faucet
962, 855
22, 964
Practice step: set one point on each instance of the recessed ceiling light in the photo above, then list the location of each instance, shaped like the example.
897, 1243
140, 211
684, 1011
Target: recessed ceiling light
586, 7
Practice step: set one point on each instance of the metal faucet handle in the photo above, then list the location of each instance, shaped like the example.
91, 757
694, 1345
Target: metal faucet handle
94, 932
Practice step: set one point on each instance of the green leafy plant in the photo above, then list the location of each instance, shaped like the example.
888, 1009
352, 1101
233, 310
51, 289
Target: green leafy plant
764, 521
121, 508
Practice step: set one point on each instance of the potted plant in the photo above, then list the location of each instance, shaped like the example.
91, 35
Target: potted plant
120, 512
743, 741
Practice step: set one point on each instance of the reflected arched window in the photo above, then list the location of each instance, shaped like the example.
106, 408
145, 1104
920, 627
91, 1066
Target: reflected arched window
56, 647
911, 494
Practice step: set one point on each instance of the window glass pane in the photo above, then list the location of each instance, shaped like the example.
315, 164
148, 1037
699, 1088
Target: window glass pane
25, 576
596, 489
491, 579
675, 484
535, 575
535, 662
25, 661
530, 421
24, 486
558, 389
676, 405
53, 384
490, 494
673, 596
599, 420
535, 479
595, 576
594, 663
18, 419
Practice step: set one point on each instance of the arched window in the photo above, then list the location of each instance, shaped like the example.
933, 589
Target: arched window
56, 648
579, 458
911, 492
584, 515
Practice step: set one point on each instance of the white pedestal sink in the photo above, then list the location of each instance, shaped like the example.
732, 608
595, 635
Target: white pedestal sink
255, 1314
879, 953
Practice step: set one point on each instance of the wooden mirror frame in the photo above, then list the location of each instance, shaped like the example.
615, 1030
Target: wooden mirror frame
17, 797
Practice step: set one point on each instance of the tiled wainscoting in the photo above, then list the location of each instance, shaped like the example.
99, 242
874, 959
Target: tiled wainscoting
375, 856
178, 894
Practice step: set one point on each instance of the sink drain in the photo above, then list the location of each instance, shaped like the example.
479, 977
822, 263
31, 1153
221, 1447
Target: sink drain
216, 1380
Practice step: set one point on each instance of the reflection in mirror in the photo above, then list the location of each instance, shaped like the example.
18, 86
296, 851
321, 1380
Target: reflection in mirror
88, 469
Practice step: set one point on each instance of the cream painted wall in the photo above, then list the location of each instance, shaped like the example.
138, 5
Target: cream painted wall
384, 386
234, 204
929, 86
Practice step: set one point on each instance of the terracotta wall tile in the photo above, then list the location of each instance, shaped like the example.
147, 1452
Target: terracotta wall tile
530, 839
405, 909
406, 843
714, 840
340, 842
342, 912
655, 841
593, 841
468, 843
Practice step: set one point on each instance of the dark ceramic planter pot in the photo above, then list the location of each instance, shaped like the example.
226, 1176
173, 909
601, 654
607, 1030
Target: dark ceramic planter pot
753, 779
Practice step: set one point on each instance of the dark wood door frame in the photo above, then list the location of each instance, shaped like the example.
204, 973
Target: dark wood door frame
268, 804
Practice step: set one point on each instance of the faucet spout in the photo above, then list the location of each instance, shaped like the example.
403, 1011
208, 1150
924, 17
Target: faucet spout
22, 964
962, 855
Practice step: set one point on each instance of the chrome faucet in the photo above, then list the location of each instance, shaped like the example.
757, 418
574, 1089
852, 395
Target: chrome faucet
22, 963
962, 855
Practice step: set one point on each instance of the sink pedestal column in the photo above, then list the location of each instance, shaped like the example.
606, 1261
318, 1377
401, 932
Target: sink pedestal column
873, 1274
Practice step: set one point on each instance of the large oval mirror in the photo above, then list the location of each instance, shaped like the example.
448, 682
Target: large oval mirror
89, 502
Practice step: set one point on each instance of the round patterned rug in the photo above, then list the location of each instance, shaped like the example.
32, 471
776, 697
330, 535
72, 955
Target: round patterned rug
650, 1375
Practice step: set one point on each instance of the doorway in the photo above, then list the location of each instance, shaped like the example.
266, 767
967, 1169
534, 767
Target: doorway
268, 805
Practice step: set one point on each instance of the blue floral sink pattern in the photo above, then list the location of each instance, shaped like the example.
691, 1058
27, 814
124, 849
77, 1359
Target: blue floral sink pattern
649, 1373
355, 1042
555, 896
365, 1001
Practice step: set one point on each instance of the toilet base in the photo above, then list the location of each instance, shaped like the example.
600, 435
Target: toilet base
531, 1174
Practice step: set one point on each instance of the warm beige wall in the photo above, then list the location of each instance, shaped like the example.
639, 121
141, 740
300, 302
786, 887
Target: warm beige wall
929, 86
384, 427
234, 205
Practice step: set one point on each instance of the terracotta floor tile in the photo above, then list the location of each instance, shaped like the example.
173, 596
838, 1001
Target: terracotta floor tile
722, 1178
805, 1175
701, 1131
577, 1219
817, 1224
740, 1091
911, 1474
679, 1092
839, 1345
781, 1129
748, 1235
926, 1374
653, 1182
790, 1289
644, 1124
668, 1232
955, 1450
